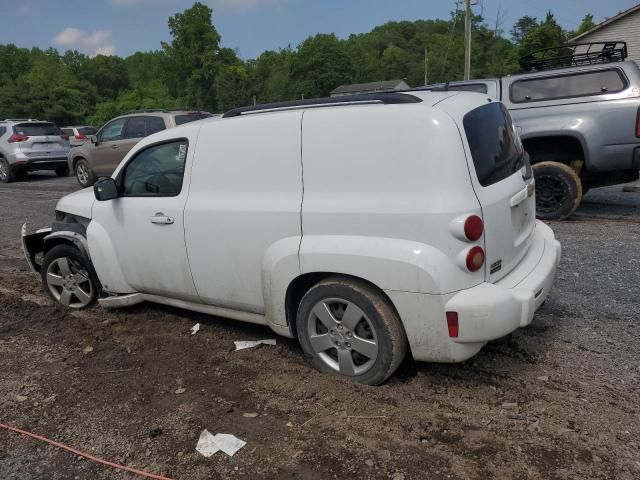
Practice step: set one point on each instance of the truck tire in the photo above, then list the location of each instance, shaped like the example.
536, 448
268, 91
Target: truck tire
347, 327
7, 174
558, 190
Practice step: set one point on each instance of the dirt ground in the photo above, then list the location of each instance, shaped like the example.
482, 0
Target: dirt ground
556, 400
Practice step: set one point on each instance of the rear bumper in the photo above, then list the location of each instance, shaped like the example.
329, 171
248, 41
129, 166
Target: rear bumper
56, 160
485, 312
489, 311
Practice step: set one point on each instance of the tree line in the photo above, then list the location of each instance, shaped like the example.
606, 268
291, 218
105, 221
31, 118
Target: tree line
193, 70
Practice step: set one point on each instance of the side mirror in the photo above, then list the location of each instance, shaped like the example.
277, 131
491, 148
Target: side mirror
105, 189
94, 139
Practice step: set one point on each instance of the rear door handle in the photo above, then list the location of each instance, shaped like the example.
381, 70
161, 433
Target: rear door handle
114, 147
162, 219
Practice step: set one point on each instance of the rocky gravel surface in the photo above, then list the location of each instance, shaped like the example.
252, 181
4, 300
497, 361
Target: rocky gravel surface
559, 399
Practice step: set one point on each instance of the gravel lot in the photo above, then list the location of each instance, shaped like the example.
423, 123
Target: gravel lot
556, 400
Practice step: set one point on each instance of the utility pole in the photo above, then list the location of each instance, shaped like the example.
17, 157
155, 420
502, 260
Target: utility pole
467, 40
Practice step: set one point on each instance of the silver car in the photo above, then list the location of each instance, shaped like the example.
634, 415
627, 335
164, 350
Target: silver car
31, 145
79, 134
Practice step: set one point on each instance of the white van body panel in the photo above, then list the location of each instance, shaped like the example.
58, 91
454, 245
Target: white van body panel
246, 193
379, 173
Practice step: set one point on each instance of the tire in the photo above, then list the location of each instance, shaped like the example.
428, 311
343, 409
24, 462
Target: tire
83, 173
62, 171
7, 173
558, 190
75, 285
368, 348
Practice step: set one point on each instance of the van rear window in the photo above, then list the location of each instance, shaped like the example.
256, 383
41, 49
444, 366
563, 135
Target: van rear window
495, 148
33, 129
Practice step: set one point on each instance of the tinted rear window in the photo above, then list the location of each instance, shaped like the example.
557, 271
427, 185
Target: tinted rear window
34, 129
471, 87
191, 117
87, 130
567, 86
67, 131
496, 150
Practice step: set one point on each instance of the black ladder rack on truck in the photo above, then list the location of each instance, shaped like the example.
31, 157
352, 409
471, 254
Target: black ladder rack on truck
574, 55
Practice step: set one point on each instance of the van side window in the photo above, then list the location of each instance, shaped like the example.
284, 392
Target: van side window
567, 86
3, 130
156, 171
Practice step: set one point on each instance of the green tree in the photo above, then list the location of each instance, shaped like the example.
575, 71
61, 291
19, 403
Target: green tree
108, 74
192, 56
321, 64
522, 27
546, 35
586, 25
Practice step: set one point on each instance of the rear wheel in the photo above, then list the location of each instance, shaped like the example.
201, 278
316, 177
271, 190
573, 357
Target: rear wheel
347, 327
84, 174
558, 190
62, 171
7, 174
68, 277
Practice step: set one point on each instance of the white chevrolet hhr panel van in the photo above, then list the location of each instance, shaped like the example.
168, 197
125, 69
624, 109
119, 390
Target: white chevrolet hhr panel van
363, 226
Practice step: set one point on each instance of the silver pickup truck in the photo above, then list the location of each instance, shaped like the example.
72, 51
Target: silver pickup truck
577, 109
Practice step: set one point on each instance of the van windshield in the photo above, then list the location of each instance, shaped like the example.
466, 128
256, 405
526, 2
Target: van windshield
495, 147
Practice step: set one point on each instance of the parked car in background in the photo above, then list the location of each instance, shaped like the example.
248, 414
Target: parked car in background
28, 145
576, 109
79, 135
412, 229
101, 155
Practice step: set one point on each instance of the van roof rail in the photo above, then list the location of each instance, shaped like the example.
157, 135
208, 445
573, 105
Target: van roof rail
148, 110
365, 98
574, 55
21, 120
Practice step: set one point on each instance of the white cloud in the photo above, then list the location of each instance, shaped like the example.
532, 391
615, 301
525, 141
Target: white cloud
95, 43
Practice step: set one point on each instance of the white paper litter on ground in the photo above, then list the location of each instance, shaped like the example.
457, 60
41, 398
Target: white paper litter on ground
209, 444
241, 345
195, 329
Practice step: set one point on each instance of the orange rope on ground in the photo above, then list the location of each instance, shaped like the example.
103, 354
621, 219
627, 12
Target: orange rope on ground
83, 454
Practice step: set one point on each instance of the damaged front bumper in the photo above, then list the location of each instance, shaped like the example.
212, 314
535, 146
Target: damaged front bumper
33, 246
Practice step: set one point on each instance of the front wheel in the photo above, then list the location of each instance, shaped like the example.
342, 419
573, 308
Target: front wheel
68, 277
348, 328
558, 190
84, 174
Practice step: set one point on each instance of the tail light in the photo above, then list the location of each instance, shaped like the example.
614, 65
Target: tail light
64, 136
81, 137
17, 138
452, 324
473, 228
475, 259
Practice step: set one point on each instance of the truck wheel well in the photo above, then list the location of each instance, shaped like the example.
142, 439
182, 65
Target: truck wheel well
301, 285
562, 149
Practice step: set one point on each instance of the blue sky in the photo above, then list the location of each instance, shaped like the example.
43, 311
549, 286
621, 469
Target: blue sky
250, 26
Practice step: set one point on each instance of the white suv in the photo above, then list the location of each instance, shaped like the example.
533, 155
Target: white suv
364, 226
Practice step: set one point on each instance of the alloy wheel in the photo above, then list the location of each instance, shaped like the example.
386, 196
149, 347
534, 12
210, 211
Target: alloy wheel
342, 336
69, 283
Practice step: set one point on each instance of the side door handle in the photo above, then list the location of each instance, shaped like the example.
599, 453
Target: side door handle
162, 219
114, 147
